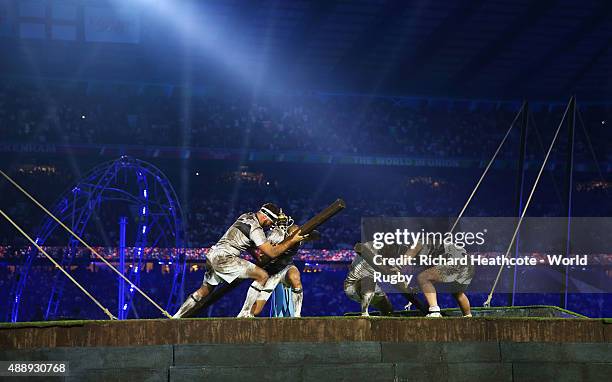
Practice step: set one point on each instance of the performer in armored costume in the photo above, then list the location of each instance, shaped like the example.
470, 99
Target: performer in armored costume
281, 270
360, 285
223, 261
457, 276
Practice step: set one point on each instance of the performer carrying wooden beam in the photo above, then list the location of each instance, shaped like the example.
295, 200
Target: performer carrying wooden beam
306, 229
281, 270
223, 262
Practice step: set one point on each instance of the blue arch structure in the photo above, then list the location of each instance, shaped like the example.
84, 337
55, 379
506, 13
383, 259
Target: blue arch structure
159, 223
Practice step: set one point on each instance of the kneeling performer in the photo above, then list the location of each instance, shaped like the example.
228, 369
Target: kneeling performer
223, 261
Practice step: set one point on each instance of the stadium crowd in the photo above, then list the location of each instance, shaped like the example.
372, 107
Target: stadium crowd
212, 203
311, 123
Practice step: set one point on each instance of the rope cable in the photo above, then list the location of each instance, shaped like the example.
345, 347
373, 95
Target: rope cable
59, 267
85, 244
486, 170
535, 185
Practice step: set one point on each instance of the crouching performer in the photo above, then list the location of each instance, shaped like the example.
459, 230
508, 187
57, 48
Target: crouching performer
458, 277
281, 270
224, 264
360, 285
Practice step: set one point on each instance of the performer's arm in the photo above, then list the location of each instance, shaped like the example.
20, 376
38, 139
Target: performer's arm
274, 251
312, 236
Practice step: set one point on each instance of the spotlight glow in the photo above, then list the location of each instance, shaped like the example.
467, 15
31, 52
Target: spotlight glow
202, 32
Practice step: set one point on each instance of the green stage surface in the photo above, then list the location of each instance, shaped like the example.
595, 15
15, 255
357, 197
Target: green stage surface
532, 311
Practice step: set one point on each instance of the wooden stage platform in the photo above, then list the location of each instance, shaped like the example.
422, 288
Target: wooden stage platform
318, 349
316, 329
